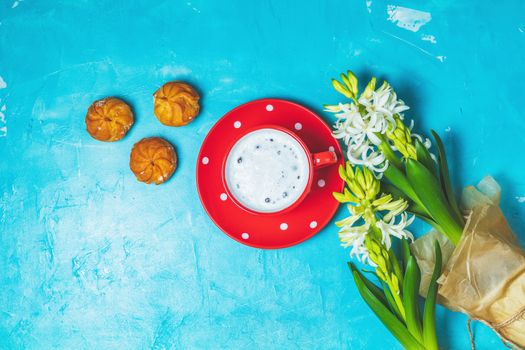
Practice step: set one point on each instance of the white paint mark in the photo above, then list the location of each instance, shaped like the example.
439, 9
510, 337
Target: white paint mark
448, 128
429, 37
3, 84
223, 196
193, 7
313, 224
283, 226
205, 160
321, 183
520, 29
237, 124
3, 121
172, 71
439, 58
331, 149
79, 145
407, 18
298, 126
369, 6
16, 3
245, 235
520, 199
269, 108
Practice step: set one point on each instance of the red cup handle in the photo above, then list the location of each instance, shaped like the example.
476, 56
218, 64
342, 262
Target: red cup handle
323, 159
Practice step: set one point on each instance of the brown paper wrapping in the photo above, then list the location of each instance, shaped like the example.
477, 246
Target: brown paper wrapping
484, 275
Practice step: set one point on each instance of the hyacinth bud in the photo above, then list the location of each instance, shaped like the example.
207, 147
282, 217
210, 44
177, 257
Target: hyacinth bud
342, 173
381, 263
349, 170
374, 247
356, 189
380, 275
372, 256
395, 283
385, 254
367, 93
402, 139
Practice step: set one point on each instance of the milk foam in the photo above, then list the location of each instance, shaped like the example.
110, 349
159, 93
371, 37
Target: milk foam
267, 170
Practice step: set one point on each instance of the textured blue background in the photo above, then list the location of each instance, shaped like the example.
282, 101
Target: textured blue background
92, 259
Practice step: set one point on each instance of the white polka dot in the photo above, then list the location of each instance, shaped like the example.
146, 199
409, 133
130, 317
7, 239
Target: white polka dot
313, 224
269, 108
284, 226
245, 235
205, 160
298, 126
331, 149
321, 183
237, 124
223, 197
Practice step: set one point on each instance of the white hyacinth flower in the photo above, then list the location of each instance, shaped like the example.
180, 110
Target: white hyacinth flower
384, 103
368, 156
359, 128
394, 229
354, 237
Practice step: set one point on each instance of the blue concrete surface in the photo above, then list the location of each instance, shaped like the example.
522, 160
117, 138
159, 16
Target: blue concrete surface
92, 259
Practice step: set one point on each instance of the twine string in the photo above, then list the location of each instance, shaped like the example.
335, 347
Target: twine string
496, 328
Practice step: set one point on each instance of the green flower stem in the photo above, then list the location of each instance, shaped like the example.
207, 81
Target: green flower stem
391, 301
410, 298
429, 191
386, 271
395, 265
429, 314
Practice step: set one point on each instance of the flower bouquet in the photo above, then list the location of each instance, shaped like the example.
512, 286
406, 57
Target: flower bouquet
470, 261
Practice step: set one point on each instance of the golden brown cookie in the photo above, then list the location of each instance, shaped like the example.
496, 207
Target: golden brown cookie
109, 119
176, 104
153, 160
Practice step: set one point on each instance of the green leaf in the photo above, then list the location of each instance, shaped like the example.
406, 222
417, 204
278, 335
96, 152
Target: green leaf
378, 293
413, 207
429, 192
428, 221
445, 179
406, 252
396, 327
429, 314
396, 193
399, 180
389, 153
423, 155
410, 298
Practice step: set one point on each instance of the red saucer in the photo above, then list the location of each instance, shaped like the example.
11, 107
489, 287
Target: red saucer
268, 231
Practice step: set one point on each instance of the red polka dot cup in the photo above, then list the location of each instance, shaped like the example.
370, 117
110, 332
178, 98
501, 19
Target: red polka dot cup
269, 169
